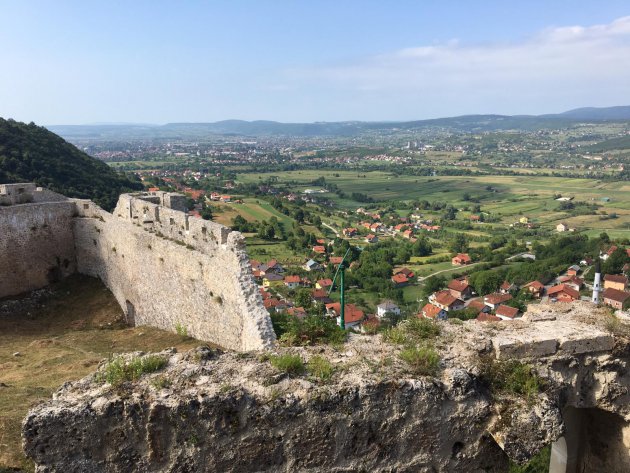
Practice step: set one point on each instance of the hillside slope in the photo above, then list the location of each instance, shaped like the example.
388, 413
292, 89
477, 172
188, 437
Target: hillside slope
30, 153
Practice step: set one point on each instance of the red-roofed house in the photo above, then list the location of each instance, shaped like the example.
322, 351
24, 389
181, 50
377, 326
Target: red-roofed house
195, 194
431, 311
320, 297
616, 298
575, 282
495, 299
479, 305
608, 253
535, 288
406, 271
371, 238
336, 259
350, 232
352, 314
483, 317
615, 281
292, 282
461, 259
324, 284
505, 312
460, 289
272, 266
297, 312
445, 300
573, 270
507, 288
320, 250
563, 293
400, 279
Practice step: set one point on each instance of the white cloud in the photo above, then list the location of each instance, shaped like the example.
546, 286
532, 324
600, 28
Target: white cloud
558, 67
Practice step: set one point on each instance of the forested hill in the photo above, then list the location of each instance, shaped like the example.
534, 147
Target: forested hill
30, 153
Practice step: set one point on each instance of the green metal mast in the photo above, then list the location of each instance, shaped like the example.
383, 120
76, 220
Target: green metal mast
341, 271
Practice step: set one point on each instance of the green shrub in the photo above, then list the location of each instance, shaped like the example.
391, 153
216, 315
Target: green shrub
422, 360
412, 331
539, 463
181, 330
371, 326
161, 382
309, 330
464, 314
511, 377
320, 367
290, 364
615, 327
395, 335
119, 370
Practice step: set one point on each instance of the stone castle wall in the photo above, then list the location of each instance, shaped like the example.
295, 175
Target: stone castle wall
36, 245
165, 269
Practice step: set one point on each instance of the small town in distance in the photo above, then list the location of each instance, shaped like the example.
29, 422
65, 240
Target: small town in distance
435, 244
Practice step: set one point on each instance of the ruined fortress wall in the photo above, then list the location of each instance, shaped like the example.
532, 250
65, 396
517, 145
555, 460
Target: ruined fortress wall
164, 268
169, 271
36, 245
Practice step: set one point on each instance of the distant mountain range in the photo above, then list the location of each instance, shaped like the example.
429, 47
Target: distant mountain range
465, 123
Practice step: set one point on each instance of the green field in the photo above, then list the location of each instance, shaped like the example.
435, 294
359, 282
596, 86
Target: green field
508, 197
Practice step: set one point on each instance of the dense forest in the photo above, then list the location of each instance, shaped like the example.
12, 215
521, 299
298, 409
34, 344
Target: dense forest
30, 153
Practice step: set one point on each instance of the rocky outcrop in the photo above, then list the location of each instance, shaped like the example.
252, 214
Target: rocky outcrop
213, 411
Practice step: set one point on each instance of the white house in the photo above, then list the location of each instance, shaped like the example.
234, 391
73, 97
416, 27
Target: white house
312, 265
387, 307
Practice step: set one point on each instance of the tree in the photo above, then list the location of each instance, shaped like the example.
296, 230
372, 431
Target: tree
206, 212
298, 215
459, 244
432, 284
615, 262
303, 299
450, 214
422, 247
486, 282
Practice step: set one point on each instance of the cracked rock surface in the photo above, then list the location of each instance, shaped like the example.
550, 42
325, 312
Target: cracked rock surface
214, 411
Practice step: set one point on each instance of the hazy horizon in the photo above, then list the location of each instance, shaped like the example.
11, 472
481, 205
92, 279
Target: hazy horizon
71, 63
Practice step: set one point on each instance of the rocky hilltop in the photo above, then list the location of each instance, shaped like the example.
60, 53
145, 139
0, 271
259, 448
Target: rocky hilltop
212, 411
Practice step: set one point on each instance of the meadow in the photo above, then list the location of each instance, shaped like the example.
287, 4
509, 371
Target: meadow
508, 197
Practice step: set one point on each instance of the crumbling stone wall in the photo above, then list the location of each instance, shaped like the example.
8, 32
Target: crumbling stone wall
165, 269
169, 272
36, 245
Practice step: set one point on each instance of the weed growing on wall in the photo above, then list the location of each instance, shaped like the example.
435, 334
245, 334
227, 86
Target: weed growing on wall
120, 370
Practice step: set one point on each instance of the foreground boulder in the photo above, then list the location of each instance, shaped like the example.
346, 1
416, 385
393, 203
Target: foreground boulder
212, 411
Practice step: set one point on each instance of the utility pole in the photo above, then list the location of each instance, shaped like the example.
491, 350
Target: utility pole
341, 272
342, 321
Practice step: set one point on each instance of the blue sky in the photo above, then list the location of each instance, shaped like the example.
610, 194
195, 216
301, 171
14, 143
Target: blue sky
75, 62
